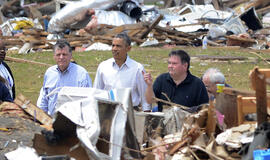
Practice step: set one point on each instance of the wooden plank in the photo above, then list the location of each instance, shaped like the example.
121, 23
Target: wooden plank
35, 32
175, 33
249, 102
263, 10
260, 96
235, 91
231, 4
168, 3
240, 110
220, 58
132, 33
211, 120
186, 40
234, 37
192, 24
192, 134
137, 40
32, 39
79, 43
42, 46
216, 4
13, 43
33, 110
125, 27
247, 105
63, 147
266, 72
226, 104
151, 26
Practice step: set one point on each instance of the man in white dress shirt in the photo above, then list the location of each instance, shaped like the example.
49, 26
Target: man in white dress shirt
123, 72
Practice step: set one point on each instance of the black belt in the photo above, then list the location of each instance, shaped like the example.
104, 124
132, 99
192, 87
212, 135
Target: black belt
136, 108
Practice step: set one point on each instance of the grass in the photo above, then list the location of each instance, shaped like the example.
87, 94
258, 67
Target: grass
29, 77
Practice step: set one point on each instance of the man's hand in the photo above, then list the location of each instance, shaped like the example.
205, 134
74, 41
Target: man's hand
147, 78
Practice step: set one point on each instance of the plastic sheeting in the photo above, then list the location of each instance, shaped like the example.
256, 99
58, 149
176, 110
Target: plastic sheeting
115, 18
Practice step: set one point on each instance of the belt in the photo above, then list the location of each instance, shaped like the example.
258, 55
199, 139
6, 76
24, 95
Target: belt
136, 108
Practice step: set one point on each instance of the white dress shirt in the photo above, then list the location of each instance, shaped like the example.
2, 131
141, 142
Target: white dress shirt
129, 75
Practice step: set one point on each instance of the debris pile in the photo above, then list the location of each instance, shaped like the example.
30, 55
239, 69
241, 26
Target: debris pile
36, 26
99, 128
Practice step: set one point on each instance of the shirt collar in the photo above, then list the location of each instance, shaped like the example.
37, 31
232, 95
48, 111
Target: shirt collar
68, 68
126, 63
187, 79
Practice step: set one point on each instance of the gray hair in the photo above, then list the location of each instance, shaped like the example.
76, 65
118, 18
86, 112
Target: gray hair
214, 75
62, 43
125, 37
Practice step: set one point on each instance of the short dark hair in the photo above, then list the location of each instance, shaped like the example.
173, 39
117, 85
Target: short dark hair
125, 37
184, 57
62, 43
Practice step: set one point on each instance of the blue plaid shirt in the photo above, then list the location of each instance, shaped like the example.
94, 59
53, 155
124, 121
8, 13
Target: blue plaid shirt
54, 80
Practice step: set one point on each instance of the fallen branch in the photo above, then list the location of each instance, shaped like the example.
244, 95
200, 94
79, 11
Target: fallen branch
171, 103
25, 61
193, 24
260, 57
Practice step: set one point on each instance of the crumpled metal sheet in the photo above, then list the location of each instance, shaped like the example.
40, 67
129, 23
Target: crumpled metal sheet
174, 119
73, 12
98, 116
190, 14
115, 18
82, 110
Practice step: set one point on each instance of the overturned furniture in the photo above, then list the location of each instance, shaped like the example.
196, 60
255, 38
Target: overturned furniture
226, 104
247, 105
259, 78
234, 103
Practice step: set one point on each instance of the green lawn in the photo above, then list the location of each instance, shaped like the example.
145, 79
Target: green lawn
29, 77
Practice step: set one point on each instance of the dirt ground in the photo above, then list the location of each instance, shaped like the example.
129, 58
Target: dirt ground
20, 131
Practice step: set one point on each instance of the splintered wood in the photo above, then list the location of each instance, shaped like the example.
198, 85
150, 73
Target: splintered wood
187, 139
258, 79
33, 110
104, 33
